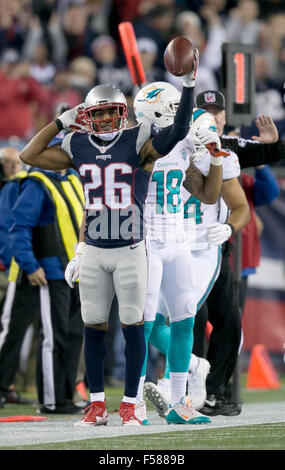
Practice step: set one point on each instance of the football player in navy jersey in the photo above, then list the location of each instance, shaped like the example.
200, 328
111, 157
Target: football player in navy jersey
115, 164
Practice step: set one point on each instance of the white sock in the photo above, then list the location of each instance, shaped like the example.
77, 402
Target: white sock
129, 399
194, 361
139, 398
97, 396
178, 382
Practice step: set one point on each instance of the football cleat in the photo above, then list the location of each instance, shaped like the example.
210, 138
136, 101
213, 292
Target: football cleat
197, 383
219, 406
184, 413
159, 395
140, 412
94, 415
128, 414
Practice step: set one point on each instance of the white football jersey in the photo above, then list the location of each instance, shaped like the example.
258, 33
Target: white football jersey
163, 212
206, 214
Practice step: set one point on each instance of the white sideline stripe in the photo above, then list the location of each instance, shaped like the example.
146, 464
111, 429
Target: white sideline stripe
7, 309
63, 430
47, 347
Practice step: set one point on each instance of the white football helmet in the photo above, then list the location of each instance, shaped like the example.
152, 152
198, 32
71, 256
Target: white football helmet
201, 119
103, 97
156, 103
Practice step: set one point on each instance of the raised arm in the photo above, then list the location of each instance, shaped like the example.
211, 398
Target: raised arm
168, 137
37, 153
259, 150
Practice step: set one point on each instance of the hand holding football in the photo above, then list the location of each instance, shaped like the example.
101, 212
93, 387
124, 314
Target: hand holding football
179, 56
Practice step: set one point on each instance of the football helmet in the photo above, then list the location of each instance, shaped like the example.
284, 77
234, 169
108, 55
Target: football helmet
201, 119
156, 104
100, 98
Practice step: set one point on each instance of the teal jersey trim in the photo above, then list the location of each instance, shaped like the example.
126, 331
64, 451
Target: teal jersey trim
198, 113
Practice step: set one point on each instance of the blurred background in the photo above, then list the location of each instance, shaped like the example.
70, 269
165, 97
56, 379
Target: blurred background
54, 51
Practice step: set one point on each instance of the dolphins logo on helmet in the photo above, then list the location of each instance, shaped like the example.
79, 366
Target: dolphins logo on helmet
156, 104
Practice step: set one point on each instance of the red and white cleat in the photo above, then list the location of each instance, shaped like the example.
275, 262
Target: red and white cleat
94, 415
128, 414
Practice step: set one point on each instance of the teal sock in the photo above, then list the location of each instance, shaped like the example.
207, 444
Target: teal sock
180, 344
159, 338
148, 325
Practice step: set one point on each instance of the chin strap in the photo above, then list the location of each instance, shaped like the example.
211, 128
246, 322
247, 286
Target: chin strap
108, 136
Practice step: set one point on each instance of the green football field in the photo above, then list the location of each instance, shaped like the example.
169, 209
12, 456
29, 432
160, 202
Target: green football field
260, 426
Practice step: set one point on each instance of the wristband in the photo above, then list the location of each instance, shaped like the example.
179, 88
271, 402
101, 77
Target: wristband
216, 161
59, 124
189, 84
80, 247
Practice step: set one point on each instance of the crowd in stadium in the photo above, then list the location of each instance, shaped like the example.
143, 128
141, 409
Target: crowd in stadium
52, 53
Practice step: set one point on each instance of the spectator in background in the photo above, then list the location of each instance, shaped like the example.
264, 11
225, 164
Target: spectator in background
269, 92
157, 24
109, 70
263, 44
83, 75
189, 24
75, 31
98, 12
277, 39
52, 36
148, 52
62, 91
10, 165
15, 18
242, 24
41, 68
22, 101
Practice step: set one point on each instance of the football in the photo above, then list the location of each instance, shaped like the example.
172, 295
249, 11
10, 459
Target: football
179, 56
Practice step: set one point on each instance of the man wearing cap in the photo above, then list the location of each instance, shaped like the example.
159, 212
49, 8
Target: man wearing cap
221, 307
270, 148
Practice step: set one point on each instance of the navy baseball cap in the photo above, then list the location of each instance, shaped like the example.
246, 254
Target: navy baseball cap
210, 98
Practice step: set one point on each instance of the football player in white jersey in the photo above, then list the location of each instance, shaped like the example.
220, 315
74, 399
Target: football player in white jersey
205, 259
170, 259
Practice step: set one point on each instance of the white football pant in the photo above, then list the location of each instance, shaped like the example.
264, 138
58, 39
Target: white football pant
205, 269
104, 272
170, 274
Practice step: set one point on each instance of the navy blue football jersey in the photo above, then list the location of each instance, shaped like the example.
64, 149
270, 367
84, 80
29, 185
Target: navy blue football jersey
115, 185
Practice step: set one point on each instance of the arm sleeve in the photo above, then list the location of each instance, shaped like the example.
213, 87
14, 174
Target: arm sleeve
25, 216
169, 136
265, 188
252, 153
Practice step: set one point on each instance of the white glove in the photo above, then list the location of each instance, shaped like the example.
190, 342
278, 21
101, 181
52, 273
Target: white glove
72, 269
190, 77
208, 136
73, 119
219, 233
